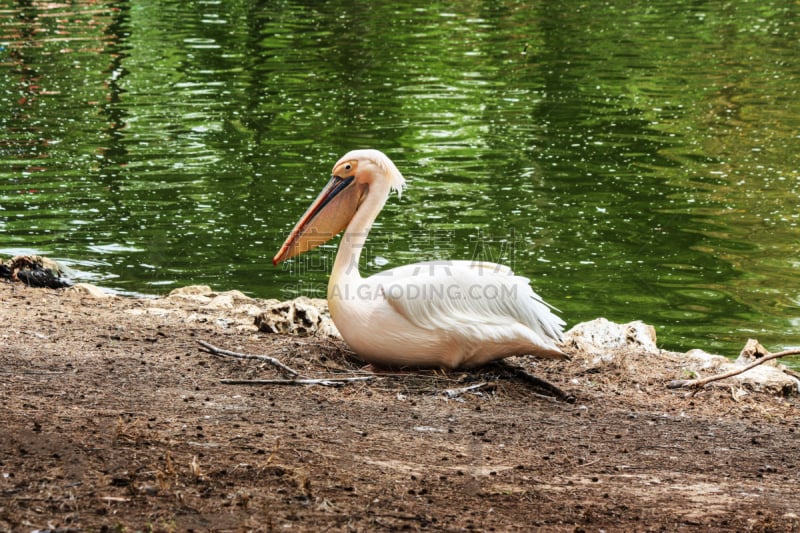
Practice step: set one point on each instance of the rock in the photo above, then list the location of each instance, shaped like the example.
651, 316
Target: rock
767, 378
200, 303
87, 289
602, 337
328, 329
51, 265
251, 310
207, 298
199, 294
34, 271
190, 290
237, 296
770, 376
752, 351
630, 349
301, 316
220, 301
702, 360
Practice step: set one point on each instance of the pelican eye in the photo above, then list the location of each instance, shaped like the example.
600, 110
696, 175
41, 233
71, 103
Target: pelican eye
348, 166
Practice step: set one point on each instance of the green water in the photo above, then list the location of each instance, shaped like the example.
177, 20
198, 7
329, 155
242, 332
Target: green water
636, 160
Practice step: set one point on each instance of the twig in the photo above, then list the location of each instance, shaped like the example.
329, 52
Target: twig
327, 382
118, 499
266, 358
295, 377
30, 373
701, 382
548, 390
455, 393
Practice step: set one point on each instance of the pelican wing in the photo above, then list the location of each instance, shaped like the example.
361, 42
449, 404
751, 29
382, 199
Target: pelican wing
465, 295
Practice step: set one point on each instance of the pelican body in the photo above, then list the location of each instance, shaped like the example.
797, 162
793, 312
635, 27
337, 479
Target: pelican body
446, 314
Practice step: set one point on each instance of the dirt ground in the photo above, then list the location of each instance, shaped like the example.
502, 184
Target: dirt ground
114, 420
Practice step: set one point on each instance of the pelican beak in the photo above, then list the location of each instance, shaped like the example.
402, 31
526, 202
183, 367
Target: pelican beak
328, 215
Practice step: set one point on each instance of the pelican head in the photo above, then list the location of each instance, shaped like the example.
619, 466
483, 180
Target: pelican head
357, 175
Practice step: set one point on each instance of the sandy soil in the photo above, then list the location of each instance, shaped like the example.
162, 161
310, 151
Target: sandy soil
114, 420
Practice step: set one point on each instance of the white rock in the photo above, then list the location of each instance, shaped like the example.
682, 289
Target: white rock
86, 289
301, 316
251, 310
328, 328
602, 337
702, 360
763, 378
237, 296
197, 299
191, 290
220, 301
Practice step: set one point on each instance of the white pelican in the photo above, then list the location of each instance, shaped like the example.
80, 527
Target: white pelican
445, 314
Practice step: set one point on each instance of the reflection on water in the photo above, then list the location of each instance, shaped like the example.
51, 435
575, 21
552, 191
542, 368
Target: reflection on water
637, 162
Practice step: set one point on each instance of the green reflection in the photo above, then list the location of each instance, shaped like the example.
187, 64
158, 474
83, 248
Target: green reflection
636, 161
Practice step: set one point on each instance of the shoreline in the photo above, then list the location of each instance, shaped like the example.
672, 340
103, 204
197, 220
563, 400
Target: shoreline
114, 418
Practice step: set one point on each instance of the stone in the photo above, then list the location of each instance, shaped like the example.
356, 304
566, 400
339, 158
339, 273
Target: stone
198, 294
191, 290
301, 316
752, 351
89, 290
34, 271
702, 360
237, 296
220, 301
602, 337
767, 378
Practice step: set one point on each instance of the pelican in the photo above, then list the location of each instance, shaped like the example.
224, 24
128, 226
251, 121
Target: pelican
445, 314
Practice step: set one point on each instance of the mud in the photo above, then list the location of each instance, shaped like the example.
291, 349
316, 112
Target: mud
113, 419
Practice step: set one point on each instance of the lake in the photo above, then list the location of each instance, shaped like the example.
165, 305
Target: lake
636, 160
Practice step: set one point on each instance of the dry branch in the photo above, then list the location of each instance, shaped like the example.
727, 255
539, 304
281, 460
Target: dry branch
455, 393
327, 382
548, 390
210, 348
295, 377
702, 382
